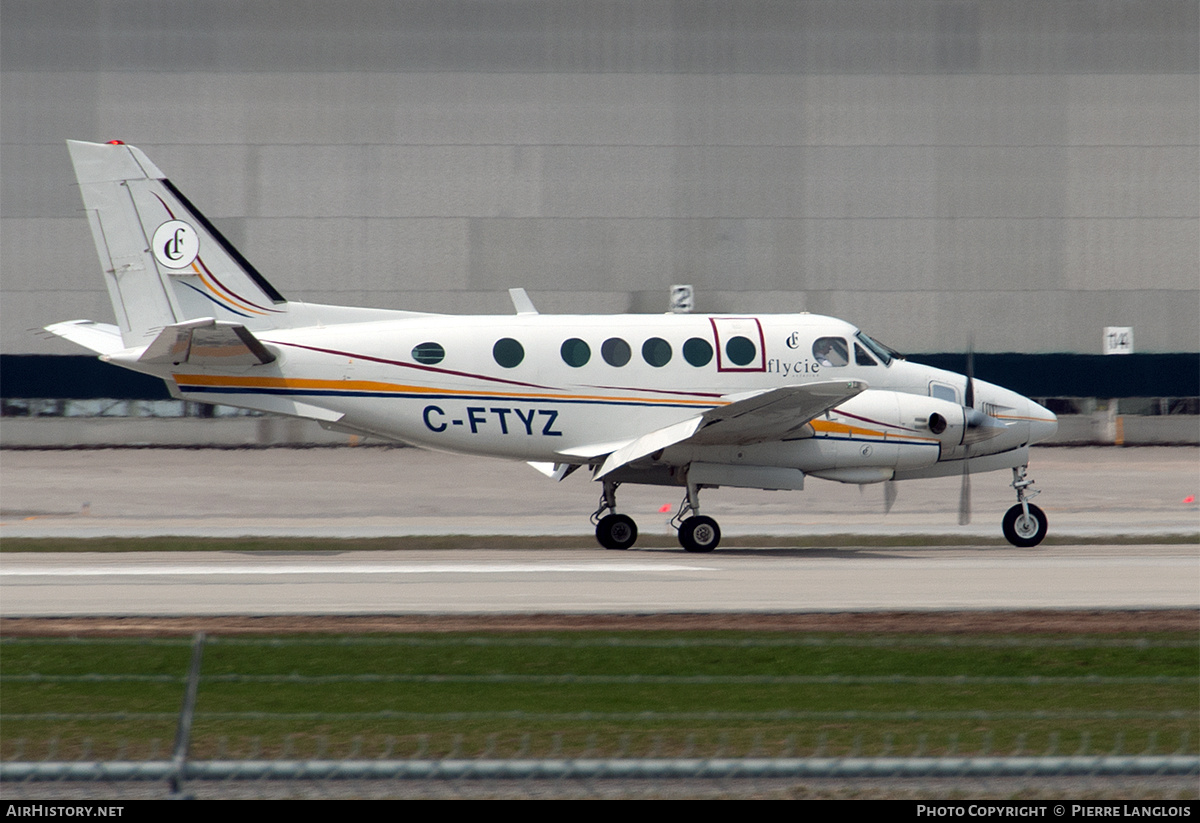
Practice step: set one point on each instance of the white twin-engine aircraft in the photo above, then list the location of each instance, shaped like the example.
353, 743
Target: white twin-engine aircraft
688, 400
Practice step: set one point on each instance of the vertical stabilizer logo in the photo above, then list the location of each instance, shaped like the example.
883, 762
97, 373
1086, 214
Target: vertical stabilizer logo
175, 244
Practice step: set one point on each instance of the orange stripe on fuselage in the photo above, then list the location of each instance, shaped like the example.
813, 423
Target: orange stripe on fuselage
232, 381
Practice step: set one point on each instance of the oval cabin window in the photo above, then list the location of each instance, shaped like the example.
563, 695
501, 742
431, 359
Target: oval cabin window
428, 353
615, 351
575, 352
656, 352
508, 352
697, 352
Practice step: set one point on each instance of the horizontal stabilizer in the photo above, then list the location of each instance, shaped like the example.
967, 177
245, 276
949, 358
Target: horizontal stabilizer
206, 342
102, 338
752, 418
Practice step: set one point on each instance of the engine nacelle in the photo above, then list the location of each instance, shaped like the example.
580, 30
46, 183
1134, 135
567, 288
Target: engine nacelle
871, 436
864, 440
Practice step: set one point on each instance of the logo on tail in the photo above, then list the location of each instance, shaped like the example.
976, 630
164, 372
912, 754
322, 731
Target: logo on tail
176, 244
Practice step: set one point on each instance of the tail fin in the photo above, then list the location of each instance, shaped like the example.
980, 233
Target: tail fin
164, 262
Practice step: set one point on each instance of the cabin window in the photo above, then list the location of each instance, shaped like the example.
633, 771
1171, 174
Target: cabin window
861, 357
508, 352
831, 351
656, 352
697, 352
741, 351
615, 351
428, 353
575, 352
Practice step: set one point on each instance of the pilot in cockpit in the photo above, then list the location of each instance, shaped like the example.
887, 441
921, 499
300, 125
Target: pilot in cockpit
830, 351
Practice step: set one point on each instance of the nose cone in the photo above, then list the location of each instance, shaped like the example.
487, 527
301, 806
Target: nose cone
1042, 423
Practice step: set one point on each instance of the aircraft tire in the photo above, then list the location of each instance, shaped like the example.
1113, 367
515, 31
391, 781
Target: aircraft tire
616, 531
1025, 532
699, 534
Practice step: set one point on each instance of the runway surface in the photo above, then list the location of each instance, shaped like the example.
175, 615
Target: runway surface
374, 492
594, 581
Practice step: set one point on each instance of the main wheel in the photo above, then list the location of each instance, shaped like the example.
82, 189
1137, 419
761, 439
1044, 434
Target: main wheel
616, 531
1024, 531
699, 534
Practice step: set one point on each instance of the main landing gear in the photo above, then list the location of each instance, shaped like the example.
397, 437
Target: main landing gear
613, 531
697, 533
1024, 524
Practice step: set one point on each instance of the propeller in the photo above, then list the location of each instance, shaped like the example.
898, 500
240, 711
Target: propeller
889, 495
964, 492
972, 419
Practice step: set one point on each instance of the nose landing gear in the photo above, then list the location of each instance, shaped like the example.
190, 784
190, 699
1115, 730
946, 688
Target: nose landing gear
1024, 525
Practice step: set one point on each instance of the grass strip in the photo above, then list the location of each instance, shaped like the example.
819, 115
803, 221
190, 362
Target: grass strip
586, 694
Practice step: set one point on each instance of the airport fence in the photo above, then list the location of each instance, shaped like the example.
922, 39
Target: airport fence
250, 716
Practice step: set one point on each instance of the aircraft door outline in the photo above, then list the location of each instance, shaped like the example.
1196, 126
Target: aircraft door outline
730, 336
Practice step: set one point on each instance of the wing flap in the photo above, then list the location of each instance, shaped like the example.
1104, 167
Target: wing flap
592, 450
650, 443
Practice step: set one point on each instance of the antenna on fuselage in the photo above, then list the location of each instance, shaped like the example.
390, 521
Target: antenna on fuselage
521, 301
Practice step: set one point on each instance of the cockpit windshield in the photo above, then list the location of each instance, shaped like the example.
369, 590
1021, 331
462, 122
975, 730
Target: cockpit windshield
881, 351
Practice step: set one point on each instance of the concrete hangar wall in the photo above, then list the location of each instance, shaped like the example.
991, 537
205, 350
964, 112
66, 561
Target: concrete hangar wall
1026, 171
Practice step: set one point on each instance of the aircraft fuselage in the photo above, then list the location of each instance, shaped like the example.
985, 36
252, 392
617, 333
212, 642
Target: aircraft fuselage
563, 388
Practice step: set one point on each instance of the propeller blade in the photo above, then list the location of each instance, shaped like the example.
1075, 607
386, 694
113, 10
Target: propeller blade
969, 399
976, 428
889, 495
964, 493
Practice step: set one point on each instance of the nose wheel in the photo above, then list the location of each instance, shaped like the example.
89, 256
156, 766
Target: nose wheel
1024, 529
1024, 525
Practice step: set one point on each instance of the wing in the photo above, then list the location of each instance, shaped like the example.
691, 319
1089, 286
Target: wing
749, 418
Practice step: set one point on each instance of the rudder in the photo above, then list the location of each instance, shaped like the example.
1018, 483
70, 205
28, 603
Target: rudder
163, 261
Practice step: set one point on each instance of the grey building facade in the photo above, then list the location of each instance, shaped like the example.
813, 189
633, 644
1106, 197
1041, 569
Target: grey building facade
1024, 173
